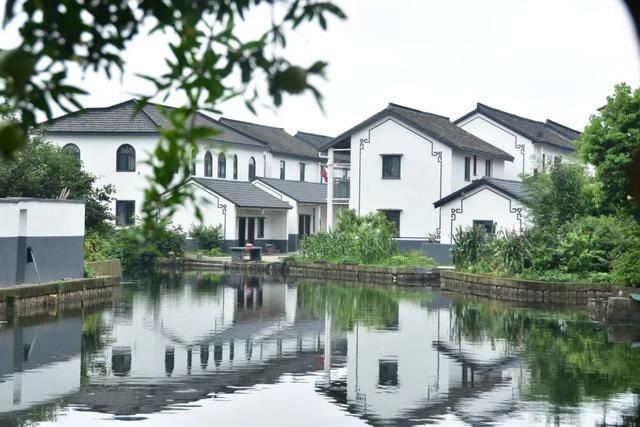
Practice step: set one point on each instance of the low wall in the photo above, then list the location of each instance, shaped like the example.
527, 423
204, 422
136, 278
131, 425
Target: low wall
110, 267
361, 273
28, 300
235, 267
527, 290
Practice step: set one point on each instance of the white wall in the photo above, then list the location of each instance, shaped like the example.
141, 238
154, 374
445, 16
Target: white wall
98, 155
484, 203
43, 218
292, 168
419, 186
275, 222
506, 140
457, 171
212, 212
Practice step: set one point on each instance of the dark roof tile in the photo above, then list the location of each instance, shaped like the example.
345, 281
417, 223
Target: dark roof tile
303, 192
509, 187
242, 193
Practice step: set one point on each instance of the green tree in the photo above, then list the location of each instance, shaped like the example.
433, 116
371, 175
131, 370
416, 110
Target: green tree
609, 142
209, 62
44, 170
559, 194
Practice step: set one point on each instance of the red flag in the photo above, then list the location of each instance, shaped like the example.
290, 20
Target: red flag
324, 174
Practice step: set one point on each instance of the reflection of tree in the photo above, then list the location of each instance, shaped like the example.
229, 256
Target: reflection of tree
569, 359
351, 304
95, 336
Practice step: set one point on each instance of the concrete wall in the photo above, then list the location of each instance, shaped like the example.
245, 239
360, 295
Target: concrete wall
292, 168
484, 203
52, 229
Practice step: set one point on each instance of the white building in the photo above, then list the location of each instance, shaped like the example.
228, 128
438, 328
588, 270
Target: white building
401, 161
41, 240
115, 142
532, 143
492, 203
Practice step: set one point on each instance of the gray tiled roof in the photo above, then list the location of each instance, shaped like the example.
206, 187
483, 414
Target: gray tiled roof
276, 138
242, 193
303, 192
509, 187
548, 132
438, 127
313, 139
123, 118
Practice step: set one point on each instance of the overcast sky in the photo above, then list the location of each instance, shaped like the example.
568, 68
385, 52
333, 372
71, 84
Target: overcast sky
538, 58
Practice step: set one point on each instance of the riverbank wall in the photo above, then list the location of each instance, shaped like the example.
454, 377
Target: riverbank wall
41, 298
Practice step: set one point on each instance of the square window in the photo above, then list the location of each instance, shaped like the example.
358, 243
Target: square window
391, 166
388, 373
125, 212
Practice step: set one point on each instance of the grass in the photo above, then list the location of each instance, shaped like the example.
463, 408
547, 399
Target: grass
545, 276
405, 259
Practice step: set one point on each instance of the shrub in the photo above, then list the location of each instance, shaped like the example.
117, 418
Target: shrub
357, 240
137, 252
470, 245
207, 237
626, 268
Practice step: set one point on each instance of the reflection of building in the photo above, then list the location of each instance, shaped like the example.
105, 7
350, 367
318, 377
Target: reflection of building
38, 363
238, 333
422, 369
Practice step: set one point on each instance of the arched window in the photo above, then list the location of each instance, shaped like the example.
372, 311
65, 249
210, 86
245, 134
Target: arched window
73, 150
222, 166
126, 159
252, 169
208, 165
235, 167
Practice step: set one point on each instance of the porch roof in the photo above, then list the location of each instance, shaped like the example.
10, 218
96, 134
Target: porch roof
508, 187
300, 191
243, 194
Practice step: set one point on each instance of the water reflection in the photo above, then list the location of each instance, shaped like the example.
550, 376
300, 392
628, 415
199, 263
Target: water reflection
175, 342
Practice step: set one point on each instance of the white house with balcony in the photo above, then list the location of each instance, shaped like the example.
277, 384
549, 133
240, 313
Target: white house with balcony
402, 160
532, 143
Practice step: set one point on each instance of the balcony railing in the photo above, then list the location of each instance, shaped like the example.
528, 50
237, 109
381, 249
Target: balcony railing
341, 188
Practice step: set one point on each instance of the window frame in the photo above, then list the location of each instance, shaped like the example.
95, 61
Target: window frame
130, 220
252, 165
208, 165
303, 171
488, 168
386, 157
283, 169
467, 169
72, 149
260, 227
130, 155
235, 167
489, 225
475, 165
222, 166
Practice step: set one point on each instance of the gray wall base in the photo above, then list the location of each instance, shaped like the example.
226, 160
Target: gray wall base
440, 252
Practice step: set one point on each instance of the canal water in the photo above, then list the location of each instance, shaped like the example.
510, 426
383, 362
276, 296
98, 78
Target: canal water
199, 348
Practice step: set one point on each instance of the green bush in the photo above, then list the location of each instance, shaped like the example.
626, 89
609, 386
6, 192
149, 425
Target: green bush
470, 246
626, 268
364, 239
207, 237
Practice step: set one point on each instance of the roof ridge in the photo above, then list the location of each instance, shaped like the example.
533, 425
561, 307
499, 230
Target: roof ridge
288, 180
311, 133
245, 134
480, 105
554, 123
392, 104
251, 123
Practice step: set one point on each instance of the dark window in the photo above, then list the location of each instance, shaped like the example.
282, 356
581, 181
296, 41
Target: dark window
282, 169
304, 225
126, 159
252, 169
121, 361
302, 171
393, 216
208, 165
235, 167
125, 212
222, 166
544, 161
73, 150
260, 227
487, 168
391, 166
467, 168
388, 372
488, 225
475, 165
192, 169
